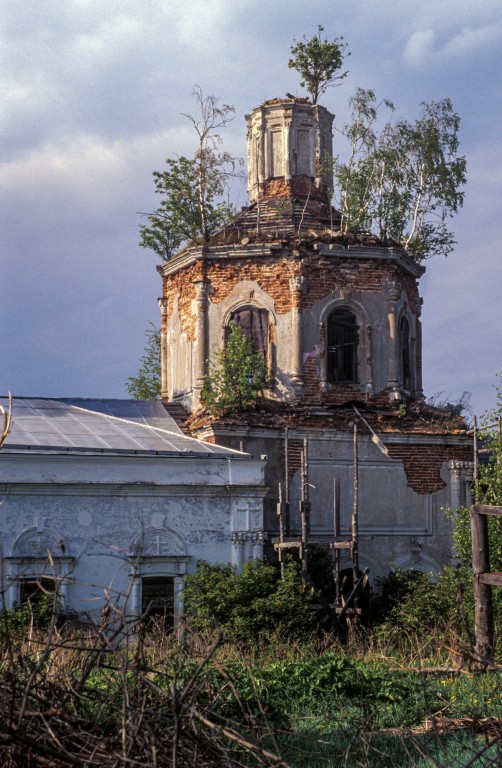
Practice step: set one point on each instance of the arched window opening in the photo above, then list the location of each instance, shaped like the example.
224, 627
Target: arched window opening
254, 324
343, 339
404, 332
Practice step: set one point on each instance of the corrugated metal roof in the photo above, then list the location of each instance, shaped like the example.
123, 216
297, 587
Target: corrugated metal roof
103, 425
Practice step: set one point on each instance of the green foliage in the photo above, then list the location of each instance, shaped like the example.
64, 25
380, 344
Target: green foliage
248, 603
313, 685
38, 612
490, 474
412, 600
403, 181
236, 377
489, 492
146, 384
180, 217
191, 189
319, 62
462, 539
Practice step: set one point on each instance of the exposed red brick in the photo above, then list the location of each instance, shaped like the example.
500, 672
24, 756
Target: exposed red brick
422, 463
299, 186
181, 286
271, 273
295, 448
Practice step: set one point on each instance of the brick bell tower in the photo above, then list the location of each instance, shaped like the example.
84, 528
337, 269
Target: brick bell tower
337, 317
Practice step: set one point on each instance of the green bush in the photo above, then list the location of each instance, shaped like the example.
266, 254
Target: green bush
418, 601
249, 603
237, 376
38, 613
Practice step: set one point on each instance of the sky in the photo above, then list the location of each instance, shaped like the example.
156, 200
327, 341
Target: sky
92, 99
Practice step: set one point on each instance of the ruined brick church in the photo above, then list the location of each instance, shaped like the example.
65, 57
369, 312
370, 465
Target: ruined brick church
337, 318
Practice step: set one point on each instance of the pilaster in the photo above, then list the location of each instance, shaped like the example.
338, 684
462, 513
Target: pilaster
200, 342
393, 370
297, 286
163, 348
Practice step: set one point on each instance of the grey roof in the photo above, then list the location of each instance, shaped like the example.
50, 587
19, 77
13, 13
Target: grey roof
99, 425
150, 412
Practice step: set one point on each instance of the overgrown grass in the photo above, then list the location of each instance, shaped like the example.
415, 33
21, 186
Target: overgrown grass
123, 696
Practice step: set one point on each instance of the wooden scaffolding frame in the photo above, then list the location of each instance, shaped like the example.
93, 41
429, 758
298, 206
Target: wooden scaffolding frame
342, 608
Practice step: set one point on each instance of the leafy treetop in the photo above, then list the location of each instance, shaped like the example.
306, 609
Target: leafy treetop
146, 384
192, 208
319, 62
404, 181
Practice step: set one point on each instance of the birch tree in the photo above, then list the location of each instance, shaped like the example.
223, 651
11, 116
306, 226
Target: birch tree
318, 62
192, 189
403, 181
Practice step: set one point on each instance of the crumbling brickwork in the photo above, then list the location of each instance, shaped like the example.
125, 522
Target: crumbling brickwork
422, 463
181, 285
323, 274
271, 274
295, 448
296, 187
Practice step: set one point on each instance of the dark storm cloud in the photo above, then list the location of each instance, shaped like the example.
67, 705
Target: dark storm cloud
91, 99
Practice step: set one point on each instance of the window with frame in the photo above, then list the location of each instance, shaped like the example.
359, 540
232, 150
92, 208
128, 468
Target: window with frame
157, 599
342, 346
39, 565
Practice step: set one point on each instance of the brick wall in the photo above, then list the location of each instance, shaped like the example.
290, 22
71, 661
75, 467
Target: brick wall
295, 448
299, 186
422, 463
322, 274
181, 285
272, 275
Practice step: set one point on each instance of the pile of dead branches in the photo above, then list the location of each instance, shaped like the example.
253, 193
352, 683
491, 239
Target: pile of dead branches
94, 697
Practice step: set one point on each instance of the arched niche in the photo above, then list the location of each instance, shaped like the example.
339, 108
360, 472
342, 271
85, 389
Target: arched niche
39, 556
158, 542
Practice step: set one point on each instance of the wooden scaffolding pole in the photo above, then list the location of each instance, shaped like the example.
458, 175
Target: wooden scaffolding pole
476, 459
336, 531
305, 506
483, 581
287, 520
355, 511
280, 513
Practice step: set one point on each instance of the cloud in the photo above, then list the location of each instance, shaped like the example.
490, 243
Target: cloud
84, 174
424, 50
419, 47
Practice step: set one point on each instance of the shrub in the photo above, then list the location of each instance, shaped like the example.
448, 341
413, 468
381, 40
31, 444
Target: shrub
421, 602
39, 614
248, 603
236, 377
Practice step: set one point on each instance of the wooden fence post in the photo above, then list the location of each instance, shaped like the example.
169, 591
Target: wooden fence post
483, 607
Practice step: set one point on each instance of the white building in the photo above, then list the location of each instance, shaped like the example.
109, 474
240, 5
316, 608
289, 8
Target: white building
112, 501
